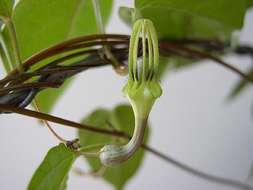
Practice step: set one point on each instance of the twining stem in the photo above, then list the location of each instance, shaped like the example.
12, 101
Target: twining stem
116, 133
166, 48
44, 70
58, 120
198, 173
203, 55
74, 44
39, 85
14, 42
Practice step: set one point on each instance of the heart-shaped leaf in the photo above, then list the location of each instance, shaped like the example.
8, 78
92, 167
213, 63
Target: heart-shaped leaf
52, 173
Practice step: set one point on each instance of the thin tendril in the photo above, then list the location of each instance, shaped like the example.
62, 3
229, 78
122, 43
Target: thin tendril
48, 125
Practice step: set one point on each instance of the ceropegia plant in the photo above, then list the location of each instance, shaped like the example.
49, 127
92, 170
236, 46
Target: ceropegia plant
44, 43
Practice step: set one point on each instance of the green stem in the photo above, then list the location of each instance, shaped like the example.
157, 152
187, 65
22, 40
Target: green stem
98, 16
91, 147
14, 42
6, 54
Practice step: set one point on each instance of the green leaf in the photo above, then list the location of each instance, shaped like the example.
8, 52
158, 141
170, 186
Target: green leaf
53, 171
50, 22
122, 118
195, 18
241, 86
249, 3
63, 185
127, 15
6, 8
174, 63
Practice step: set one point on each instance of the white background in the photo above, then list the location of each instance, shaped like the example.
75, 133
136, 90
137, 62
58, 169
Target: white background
193, 122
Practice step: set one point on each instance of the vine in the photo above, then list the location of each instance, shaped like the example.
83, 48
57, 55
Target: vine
138, 55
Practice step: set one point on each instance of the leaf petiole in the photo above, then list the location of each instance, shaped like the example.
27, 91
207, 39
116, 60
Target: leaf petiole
14, 42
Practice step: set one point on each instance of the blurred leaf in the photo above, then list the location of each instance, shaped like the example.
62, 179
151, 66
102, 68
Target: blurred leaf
122, 118
127, 15
98, 118
241, 86
249, 3
6, 8
164, 64
50, 22
174, 63
53, 171
195, 18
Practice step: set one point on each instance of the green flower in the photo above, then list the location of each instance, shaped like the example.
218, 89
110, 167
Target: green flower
142, 89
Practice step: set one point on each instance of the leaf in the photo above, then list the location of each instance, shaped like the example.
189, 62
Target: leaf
53, 171
63, 185
98, 118
121, 118
6, 8
195, 18
174, 63
241, 86
127, 15
50, 22
249, 3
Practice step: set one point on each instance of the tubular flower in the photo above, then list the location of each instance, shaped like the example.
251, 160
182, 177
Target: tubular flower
142, 89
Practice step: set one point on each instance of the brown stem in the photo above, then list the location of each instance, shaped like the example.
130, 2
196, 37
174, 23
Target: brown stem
203, 55
40, 71
198, 173
97, 40
54, 119
44, 55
